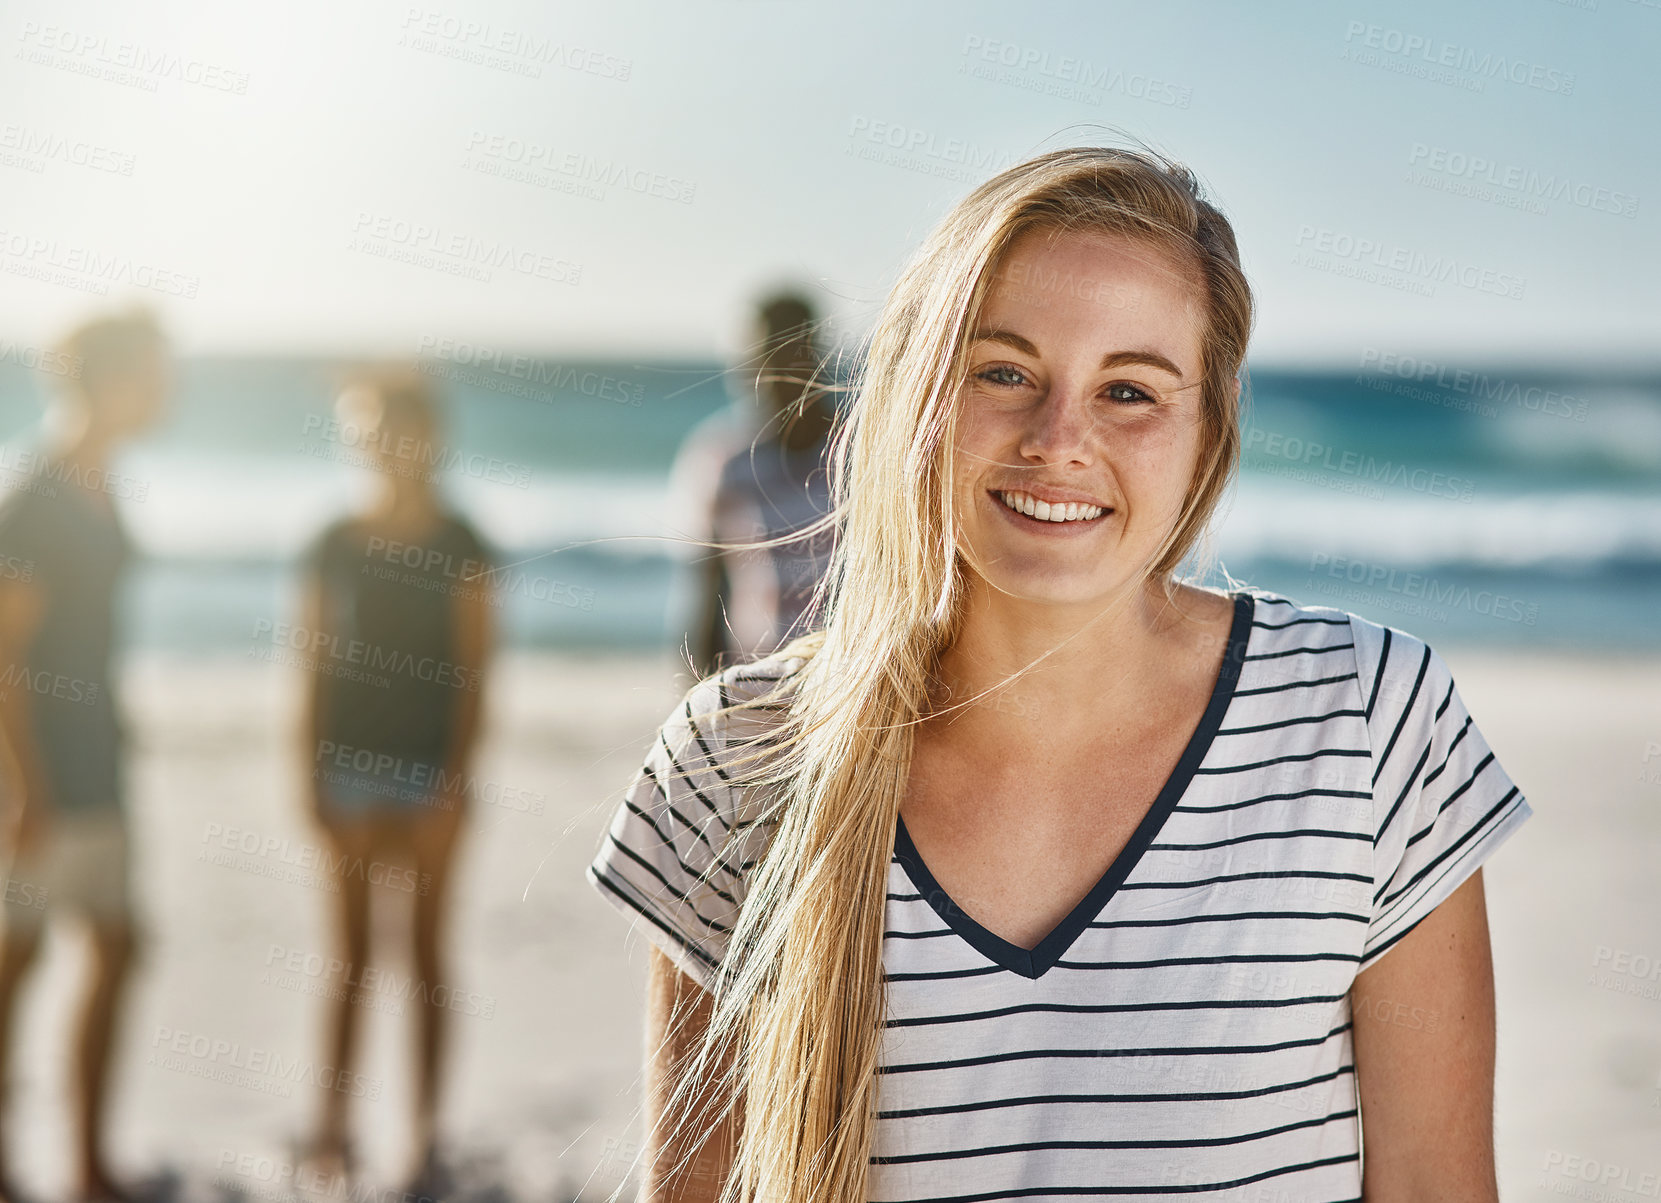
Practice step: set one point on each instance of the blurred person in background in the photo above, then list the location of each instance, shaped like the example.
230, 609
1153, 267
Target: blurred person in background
756, 481
388, 761
64, 557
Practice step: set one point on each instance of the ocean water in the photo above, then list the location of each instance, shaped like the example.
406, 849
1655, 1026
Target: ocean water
1484, 506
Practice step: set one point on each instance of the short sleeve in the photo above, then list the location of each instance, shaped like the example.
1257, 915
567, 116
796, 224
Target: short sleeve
1442, 803
676, 853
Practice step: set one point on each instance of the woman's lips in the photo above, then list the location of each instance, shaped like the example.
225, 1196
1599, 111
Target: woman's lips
1036, 524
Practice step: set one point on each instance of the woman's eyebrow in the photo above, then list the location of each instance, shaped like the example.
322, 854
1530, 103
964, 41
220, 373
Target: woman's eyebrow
1113, 359
1152, 359
1008, 338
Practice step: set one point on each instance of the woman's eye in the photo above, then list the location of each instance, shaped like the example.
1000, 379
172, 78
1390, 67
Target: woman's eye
1002, 374
1127, 393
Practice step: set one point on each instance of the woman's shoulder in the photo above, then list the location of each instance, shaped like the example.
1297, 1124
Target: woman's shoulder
713, 748
1387, 661
742, 694
728, 713
1273, 610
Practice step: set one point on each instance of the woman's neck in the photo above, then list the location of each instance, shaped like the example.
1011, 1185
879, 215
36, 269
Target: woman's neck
1101, 659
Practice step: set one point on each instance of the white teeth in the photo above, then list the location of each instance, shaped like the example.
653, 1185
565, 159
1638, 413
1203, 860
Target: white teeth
1069, 511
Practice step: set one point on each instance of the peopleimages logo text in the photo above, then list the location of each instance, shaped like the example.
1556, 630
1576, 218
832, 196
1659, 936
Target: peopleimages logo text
1383, 578
1437, 269
1436, 53
1311, 453
1546, 186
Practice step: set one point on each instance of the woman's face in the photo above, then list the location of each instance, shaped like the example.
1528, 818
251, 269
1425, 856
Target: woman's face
1082, 404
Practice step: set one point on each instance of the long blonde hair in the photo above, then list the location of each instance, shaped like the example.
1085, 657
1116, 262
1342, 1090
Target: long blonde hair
799, 998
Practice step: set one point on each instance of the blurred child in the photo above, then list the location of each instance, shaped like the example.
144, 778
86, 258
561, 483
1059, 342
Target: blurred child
397, 598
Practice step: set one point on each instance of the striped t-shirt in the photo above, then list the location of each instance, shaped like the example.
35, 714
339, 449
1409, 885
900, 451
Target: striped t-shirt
1186, 1029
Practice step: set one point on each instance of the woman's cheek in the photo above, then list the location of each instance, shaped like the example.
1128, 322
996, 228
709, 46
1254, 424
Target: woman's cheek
981, 445
1155, 447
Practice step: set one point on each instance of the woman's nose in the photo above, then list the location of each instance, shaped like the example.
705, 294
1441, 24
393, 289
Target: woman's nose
1060, 426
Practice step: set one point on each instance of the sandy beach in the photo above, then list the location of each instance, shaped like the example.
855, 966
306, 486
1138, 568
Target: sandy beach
219, 1069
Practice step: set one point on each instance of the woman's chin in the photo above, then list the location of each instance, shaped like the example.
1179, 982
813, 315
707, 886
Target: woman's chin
1049, 587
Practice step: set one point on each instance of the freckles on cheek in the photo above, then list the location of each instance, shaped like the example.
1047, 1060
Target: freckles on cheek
982, 441
1158, 464
1150, 446
979, 422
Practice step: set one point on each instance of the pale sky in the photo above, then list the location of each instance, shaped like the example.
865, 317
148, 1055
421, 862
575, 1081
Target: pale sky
240, 150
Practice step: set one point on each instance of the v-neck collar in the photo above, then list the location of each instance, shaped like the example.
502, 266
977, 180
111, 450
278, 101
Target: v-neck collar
1034, 962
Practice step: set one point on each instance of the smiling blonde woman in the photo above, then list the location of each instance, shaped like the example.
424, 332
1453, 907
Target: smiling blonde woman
1038, 872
